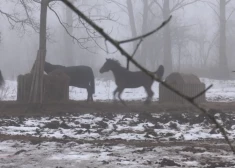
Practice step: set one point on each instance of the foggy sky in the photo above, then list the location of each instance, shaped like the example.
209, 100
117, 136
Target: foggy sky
18, 51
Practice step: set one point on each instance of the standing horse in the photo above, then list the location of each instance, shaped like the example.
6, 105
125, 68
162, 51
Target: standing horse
80, 76
127, 79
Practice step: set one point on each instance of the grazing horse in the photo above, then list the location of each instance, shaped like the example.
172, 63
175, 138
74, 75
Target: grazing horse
127, 79
1, 79
80, 76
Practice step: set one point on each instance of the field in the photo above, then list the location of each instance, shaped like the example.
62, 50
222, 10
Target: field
107, 134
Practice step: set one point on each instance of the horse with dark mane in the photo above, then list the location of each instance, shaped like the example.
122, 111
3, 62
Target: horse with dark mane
128, 79
80, 76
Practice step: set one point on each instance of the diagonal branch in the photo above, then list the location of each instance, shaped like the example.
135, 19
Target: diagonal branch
123, 52
201, 93
230, 14
136, 48
212, 6
147, 34
227, 2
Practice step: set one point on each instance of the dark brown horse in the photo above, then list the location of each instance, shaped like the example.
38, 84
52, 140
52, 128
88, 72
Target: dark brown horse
127, 79
80, 76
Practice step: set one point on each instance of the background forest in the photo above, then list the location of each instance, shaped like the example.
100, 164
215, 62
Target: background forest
199, 39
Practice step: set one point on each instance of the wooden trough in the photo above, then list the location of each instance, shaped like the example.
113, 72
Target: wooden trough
187, 84
55, 88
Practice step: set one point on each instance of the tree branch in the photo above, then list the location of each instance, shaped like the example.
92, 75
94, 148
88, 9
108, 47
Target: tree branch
147, 34
33, 24
227, 2
123, 52
230, 14
181, 4
136, 48
73, 37
210, 4
201, 93
158, 4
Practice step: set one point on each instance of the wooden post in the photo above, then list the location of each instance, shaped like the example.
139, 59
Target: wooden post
36, 92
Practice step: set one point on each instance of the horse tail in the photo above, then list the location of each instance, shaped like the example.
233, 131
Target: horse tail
92, 82
160, 72
1, 79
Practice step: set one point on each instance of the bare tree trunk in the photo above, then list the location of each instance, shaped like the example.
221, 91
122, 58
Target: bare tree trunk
223, 63
132, 21
36, 92
133, 26
67, 40
167, 40
144, 50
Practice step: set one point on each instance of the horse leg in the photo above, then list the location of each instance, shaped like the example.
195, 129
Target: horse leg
119, 96
89, 94
150, 94
114, 94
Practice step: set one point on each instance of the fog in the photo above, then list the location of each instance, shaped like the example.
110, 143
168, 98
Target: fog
193, 36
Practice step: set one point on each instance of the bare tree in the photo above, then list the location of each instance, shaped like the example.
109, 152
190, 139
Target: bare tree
223, 63
132, 25
29, 20
21, 21
36, 92
168, 7
223, 17
68, 43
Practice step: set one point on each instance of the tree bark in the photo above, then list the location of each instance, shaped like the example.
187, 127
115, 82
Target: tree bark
144, 52
132, 21
36, 92
167, 40
132, 25
67, 40
223, 63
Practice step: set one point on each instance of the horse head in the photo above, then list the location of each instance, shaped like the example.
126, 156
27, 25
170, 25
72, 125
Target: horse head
108, 65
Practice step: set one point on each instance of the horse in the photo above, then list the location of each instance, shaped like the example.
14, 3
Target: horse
1, 79
80, 76
128, 79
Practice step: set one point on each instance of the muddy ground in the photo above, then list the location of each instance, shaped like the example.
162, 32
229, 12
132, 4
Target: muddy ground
150, 149
12, 108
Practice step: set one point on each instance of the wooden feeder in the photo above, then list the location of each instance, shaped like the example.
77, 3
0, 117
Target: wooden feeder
55, 87
187, 84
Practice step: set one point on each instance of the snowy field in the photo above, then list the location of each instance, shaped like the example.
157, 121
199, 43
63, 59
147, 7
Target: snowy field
76, 155
142, 140
114, 140
222, 91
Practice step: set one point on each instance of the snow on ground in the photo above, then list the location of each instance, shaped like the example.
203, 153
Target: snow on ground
159, 128
162, 127
74, 155
160, 140
222, 91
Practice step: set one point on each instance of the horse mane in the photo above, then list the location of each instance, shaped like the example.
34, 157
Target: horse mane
114, 61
